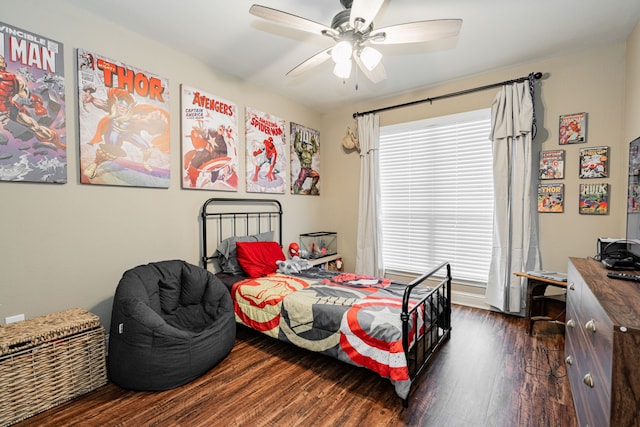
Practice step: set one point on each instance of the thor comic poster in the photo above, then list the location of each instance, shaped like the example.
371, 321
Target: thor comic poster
33, 144
124, 124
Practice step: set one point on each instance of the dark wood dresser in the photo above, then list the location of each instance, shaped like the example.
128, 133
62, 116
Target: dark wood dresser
602, 345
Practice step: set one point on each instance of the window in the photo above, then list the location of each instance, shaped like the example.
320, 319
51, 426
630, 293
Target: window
436, 179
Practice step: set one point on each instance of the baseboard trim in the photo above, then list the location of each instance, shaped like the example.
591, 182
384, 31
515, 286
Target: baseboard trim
469, 299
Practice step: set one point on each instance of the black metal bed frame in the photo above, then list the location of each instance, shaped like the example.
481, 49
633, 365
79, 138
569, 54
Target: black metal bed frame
267, 218
433, 311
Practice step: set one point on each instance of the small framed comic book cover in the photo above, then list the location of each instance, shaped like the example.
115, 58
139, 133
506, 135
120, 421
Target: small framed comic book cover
573, 128
594, 199
551, 198
594, 162
551, 164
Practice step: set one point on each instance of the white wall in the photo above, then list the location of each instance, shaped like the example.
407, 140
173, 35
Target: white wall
65, 246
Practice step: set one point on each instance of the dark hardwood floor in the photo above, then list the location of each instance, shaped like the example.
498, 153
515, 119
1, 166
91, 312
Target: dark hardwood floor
491, 373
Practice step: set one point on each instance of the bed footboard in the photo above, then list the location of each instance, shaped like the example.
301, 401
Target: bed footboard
429, 319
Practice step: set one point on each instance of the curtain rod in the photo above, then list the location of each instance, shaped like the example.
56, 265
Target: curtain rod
536, 76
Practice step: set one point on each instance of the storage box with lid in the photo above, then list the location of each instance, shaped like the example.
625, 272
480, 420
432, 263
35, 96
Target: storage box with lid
48, 360
318, 244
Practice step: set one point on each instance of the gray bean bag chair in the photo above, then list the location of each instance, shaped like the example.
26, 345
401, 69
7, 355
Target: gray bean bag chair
171, 322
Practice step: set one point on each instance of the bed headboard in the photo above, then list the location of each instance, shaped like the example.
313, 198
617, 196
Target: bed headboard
221, 218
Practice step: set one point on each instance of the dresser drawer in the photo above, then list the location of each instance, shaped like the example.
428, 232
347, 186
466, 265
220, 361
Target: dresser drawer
575, 351
588, 344
575, 284
595, 355
604, 343
598, 332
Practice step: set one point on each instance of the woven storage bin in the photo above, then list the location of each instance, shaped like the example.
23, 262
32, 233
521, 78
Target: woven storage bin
48, 360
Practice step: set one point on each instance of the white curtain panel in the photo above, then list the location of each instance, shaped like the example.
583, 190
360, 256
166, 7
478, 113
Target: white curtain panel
515, 238
369, 238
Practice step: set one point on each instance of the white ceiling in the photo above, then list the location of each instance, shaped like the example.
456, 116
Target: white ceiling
495, 34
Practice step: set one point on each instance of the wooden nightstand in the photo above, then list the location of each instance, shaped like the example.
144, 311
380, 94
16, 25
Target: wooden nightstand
330, 262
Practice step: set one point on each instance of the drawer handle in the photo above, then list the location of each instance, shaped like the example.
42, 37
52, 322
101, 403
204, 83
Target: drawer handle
591, 325
588, 380
568, 360
572, 286
571, 323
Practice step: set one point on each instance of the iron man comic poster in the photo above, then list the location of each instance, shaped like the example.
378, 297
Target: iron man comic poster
209, 137
33, 144
123, 114
266, 144
305, 160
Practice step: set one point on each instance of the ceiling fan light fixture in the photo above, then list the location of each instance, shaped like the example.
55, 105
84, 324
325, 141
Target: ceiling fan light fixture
358, 24
342, 52
352, 32
343, 69
370, 57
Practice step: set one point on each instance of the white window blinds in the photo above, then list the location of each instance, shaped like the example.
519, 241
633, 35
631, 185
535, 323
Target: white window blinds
437, 195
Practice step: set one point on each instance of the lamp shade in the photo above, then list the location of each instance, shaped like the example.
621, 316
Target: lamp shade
343, 69
341, 52
370, 57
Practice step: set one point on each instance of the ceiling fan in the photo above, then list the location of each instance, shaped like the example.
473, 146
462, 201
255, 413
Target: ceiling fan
353, 33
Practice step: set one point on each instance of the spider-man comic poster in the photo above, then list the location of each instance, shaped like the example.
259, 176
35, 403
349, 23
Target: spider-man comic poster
124, 124
33, 144
305, 160
266, 144
209, 141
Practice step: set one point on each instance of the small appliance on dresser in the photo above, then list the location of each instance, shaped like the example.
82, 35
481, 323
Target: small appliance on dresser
602, 345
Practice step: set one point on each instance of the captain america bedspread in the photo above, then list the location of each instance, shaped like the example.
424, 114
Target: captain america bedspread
355, 319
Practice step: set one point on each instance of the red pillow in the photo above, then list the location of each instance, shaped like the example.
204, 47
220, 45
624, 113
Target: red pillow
259, 258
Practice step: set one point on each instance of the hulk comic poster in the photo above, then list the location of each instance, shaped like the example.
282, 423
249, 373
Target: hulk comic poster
209, 141
33, 144
594, 199
266, 152
124, 124
305, 160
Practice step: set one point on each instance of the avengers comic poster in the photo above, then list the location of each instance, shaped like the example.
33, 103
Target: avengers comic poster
33, 144
305, 160
209, 141
266, 152
124, 124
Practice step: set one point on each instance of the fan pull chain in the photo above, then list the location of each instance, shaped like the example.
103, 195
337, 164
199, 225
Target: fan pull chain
356, 77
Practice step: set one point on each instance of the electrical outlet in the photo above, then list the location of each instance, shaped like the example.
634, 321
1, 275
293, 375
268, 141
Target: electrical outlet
13, 319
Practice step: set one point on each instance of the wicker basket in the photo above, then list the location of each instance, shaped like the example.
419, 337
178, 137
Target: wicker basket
49, 360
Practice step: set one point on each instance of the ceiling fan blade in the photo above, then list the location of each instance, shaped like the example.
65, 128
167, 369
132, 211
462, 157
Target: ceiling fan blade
416, 32
363, 12
289, 20
376, 75
308, 64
